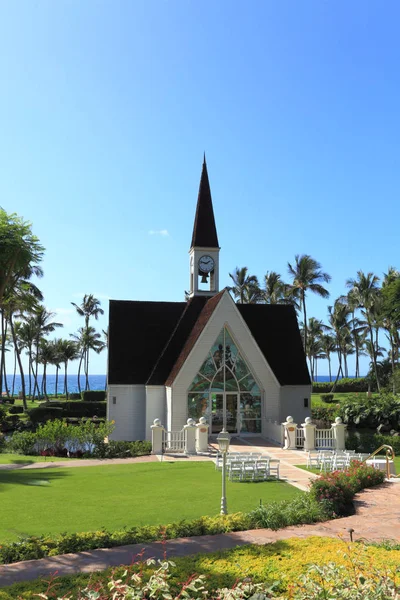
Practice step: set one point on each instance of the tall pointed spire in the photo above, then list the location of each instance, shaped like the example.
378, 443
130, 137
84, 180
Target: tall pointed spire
204, 230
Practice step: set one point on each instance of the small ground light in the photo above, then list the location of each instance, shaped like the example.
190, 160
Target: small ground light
351, 531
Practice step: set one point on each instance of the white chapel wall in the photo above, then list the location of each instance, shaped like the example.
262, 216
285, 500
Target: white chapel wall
225, 313
155, 406
292, 402
128, 412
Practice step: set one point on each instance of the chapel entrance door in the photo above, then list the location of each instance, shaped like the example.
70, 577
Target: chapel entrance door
224, 412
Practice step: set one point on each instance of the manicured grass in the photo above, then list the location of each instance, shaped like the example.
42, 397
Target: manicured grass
283, 561
113, 496
22, 459
339, 397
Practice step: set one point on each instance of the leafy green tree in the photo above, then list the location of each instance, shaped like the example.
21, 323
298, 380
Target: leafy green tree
328, 345
307, 275
68, 350
245, 289
339, 322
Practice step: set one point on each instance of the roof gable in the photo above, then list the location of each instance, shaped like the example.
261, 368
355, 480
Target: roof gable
197, 328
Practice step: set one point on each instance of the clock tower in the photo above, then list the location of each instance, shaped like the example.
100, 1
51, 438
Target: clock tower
204, 249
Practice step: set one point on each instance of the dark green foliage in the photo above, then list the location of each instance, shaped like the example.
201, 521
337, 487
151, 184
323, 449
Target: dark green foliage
45, 413
370, 412
3, 413
328, 398
324, 413
119, 449
362, 441
343, 385
23, 442
301, 510
16, 410
94, 396
75, 396
85, 409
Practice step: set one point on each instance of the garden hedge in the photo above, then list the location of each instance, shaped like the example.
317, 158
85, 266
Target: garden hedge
343, 385
94, 396
60, 410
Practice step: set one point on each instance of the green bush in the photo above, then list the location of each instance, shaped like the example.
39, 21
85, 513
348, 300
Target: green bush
94, 396
328, 398
119, 449
359, 411
343, 385
23, 442
324, 413
361, 441
300, 510
3, 413
75, 396
44, 413
16, 410
85, 409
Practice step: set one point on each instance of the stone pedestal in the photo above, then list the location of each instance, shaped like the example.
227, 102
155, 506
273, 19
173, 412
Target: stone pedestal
202, 435
156, 437
309, 434
339, 431
190, 436
289, 428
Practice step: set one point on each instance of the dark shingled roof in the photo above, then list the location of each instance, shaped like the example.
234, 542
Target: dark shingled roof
150, 341
194, 334
184, 329
204, 229
275, 329
138, 332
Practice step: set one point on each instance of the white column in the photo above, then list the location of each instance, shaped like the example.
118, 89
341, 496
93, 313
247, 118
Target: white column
156, 437
290, 434
309, 434
190, 436
202, 435
339, 431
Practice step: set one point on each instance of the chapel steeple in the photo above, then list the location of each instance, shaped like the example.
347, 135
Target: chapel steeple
204, 230
204, 249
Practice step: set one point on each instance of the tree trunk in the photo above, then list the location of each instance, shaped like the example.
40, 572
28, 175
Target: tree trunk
374, 356
330, 372
56, 390
14, 374
21, 370
44, 382
87, 369
339, 370
79, 370
65, 381
3, 351
392, 360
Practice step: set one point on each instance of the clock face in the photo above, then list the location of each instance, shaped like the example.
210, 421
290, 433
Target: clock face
206, 264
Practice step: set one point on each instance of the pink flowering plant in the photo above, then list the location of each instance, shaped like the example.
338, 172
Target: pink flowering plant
337, 489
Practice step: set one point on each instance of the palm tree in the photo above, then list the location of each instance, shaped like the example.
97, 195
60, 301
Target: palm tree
68, 351
339, 323
90, 307
365, 293
86, 340
41, 324
274, 288
328, 345
46, 356
314, 347
307, 275
246, 287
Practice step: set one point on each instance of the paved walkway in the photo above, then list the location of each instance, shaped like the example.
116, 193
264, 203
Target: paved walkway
377, 518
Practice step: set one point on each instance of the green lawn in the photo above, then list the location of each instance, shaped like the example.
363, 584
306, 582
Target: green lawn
113, 496
22, 459
339, 397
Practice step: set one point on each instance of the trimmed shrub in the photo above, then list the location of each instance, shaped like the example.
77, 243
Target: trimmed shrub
44, 413
371, 412
16, 410
75, 396
324, 413
3, 413
85, 409
328, 398
361, 441
94, 396
301, 510
343, 385
118, 449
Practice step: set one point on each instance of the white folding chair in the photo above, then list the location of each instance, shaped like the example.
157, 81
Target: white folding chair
235, 470
262, 468
312, 459
249, 469
274, 468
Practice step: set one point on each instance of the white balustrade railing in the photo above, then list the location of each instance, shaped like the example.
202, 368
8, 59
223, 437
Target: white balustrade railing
173, 441
299, 437
324, 438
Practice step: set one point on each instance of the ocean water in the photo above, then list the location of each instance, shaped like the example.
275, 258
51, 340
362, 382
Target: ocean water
322, 378
97, 382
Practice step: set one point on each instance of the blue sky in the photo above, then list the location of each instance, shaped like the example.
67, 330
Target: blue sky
106, 109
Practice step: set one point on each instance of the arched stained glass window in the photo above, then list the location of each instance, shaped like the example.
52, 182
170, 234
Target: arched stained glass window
225, 391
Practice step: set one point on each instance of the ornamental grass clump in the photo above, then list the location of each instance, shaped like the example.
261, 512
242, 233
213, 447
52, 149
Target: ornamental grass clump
336, 490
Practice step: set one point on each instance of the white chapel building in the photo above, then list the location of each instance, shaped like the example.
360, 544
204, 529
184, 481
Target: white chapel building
237, 365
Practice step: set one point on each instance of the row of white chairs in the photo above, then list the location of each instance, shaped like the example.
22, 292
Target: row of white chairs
330, 460
258, 469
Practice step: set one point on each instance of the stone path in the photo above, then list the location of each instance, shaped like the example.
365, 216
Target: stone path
377, 518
